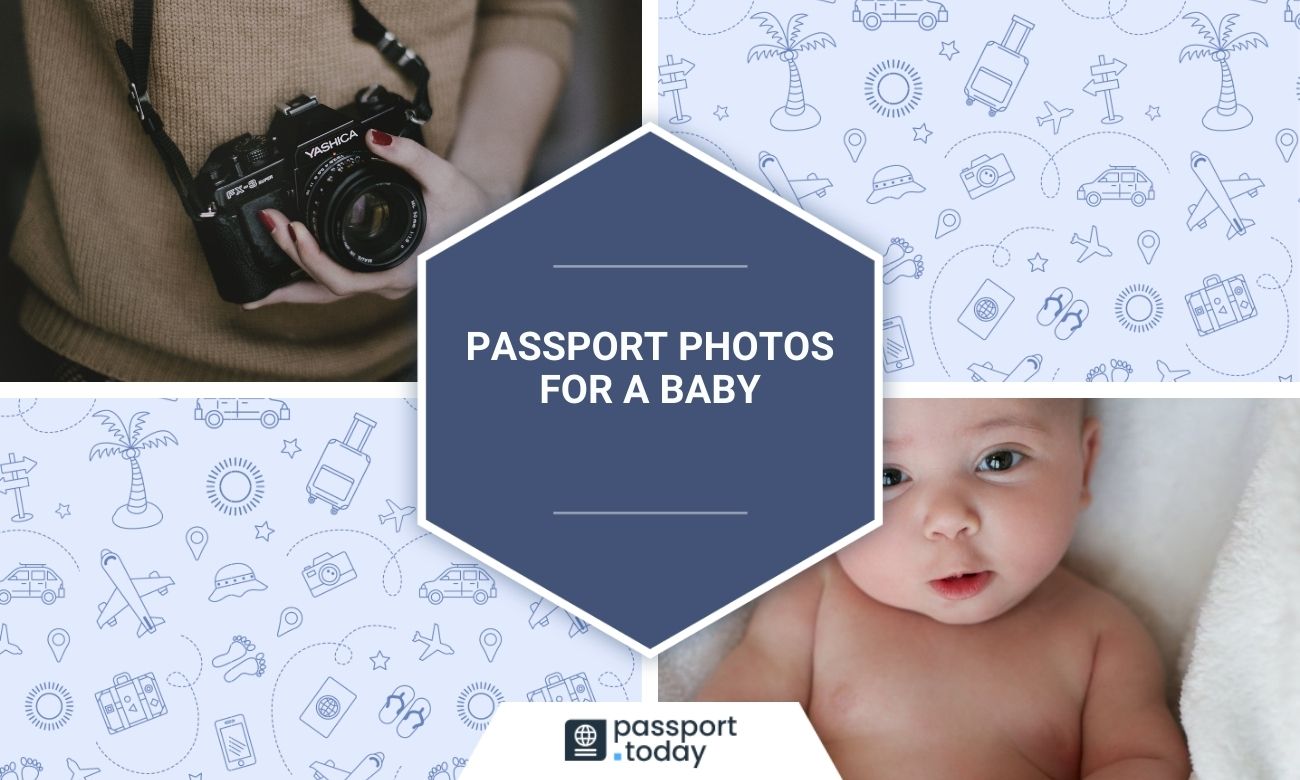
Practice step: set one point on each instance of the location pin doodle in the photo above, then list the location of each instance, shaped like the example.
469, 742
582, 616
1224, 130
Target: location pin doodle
290, 620
949, 220
855, 140
1148, 243
197, 539
1286, 138
490, 641
58, 641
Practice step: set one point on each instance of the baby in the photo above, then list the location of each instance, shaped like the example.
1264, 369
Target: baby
951, 642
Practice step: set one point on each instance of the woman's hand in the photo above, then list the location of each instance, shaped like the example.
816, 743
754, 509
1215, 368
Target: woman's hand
452, 201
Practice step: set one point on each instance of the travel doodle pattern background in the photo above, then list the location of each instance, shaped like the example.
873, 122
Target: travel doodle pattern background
1047, 181
195, 587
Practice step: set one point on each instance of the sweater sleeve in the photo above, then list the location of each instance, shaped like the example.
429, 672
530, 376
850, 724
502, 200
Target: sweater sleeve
545, 25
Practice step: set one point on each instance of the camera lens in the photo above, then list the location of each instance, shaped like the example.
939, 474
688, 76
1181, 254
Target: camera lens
366, 214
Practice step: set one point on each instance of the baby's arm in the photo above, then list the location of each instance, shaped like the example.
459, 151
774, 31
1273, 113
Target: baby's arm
1128, 731
774, 660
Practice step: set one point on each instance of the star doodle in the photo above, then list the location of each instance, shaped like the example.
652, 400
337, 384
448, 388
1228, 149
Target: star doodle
264, 531
291, 448
1153, 113
721, 113
1037, 263
948, 49
922, 133
379, 661
1286, 378
63, 511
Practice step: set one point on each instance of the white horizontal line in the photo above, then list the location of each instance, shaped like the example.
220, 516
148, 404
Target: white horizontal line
677, 266
616, 512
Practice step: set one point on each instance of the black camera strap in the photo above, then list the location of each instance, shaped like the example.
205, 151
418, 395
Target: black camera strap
367, 28
135, 61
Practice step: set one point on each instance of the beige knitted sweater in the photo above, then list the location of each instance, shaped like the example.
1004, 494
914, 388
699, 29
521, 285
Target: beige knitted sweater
118, 281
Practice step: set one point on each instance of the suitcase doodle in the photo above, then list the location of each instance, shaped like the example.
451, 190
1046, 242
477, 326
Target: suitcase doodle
1219, 304
341, 466
560, 688
130, 702
1000, 68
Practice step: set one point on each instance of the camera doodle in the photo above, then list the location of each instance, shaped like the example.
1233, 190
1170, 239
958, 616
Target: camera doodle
927, 59
230, 681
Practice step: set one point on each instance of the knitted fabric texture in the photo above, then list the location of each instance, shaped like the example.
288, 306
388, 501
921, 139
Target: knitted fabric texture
118, 281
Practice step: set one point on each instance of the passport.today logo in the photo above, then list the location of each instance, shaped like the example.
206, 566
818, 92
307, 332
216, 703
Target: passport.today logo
586, 740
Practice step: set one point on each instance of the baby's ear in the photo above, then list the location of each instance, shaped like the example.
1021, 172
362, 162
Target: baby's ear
1091, 443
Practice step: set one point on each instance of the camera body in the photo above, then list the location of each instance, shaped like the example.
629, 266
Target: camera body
313, 165
327, 572
986, 174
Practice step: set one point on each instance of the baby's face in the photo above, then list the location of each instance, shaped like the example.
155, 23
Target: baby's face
981, 498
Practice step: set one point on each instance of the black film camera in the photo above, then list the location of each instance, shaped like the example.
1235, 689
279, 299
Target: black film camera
313, 164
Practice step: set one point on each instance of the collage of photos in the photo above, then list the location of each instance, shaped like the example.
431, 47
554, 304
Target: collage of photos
495, 389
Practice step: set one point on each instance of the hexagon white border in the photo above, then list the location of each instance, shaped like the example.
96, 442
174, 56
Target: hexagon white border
525, 199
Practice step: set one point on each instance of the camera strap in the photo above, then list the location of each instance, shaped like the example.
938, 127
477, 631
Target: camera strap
135, 61
367, 28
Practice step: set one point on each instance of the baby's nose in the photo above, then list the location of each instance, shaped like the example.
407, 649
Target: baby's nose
950, 517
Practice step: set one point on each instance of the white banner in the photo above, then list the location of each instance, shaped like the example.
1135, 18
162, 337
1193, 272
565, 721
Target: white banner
667, 739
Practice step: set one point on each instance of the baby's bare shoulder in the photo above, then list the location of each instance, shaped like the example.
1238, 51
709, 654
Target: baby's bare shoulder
1088, 607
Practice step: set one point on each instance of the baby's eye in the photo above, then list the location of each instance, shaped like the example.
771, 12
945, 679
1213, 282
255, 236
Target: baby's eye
1000, 460
893, 477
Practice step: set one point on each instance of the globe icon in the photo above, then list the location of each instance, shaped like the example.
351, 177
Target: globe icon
585, 735
986, 309
328, 707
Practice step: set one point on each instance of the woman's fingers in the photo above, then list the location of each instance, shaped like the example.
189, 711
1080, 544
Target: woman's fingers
331, 280
431, 171
277, 224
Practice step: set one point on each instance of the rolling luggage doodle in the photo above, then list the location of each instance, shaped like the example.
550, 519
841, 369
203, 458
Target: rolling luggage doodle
341, 467
1000, 68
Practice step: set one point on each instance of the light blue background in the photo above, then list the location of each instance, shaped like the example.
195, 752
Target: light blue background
1038, 213
380, 611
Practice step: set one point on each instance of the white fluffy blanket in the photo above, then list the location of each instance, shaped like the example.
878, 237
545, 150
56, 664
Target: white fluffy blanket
1241, 693
1170, 481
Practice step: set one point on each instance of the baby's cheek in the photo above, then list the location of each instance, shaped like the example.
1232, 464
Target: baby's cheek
870, 565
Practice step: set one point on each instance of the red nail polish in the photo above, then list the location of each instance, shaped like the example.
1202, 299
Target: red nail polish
381, 138
267, 222
292, 235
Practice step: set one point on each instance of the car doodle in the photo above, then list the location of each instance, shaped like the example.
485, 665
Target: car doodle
873, 13
460, 580
1118, 182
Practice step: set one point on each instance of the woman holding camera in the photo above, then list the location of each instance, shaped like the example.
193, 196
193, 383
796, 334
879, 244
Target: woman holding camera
119, 285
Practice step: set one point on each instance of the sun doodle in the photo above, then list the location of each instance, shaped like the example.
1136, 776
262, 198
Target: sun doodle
893, 88
236, 486
49, 706
1139, 308
477, 703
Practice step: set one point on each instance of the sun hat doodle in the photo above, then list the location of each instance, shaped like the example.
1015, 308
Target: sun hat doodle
234, 579
893, 181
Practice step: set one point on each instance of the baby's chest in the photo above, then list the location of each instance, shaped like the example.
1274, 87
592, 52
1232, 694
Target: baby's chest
957, 691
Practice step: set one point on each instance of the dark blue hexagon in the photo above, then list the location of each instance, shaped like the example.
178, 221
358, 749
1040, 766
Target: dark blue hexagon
649, 518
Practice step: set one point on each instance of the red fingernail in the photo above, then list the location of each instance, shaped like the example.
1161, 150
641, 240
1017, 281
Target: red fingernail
267, 222
292, 235
381, 138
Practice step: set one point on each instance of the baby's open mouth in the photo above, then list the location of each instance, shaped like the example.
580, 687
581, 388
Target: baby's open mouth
962, 586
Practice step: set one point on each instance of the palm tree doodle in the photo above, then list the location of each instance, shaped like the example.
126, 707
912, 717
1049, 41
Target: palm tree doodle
1228, 114
795, 114
129, 440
